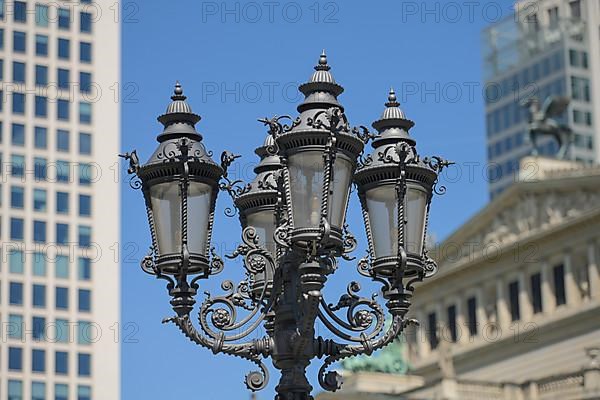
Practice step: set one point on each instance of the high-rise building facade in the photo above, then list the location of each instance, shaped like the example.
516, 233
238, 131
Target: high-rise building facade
547, 48
59, 200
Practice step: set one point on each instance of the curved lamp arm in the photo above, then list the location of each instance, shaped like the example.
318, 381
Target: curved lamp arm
331, 380
252, 351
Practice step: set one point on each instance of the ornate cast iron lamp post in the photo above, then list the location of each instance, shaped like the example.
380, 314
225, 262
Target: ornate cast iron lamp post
294, 232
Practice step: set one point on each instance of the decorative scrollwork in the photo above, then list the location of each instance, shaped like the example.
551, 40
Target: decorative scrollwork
252, 351
276, 128
364, 161
135, 182
134, 161
363, 133
334, 120
430, 266
216, 263
227, 158
350, 243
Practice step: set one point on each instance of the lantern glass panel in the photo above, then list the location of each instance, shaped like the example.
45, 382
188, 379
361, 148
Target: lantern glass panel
415, 214
265, 224
166, 210
340, 190
200, 196
306, 185
382, 207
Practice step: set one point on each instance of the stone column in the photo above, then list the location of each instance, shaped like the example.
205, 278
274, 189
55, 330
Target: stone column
526, 309
501, 305
461, 333
548, 297
571, 290
480, 311
593, 273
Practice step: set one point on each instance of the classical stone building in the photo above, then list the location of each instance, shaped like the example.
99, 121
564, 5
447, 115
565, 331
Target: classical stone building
514, 311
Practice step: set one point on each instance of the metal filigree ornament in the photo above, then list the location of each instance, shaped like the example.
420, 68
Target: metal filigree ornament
294, 231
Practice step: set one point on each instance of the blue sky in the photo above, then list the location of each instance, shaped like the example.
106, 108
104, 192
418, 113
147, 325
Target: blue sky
238, 61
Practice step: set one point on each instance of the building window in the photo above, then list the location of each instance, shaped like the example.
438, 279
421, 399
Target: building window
84, 367
18, 103
62, 140
580, 89
85, 143
38, 360
17, 165
16, 293
17, 197
536, 292
38, 391
513, 292
41, 106
61, 392
62, 171
15, 390
64, 18
18, 72
84, 393
85, 174
15, 326
85, 205
41, 75
62, 107
84, 332
40, 137
39, 296
41, 45
62, 267
39, 200
16, 229
63, 78
432, 330
559, 285
553, 17
39, 328
18, 135
39, 231
85, 82
85, 269
15, 358
62, 233
64, 49
452, 322
39, 264
85, 300
85, 112
62, 331
20, 11
575, 7
85, 22
40, 168
15, 261
62, 202
85, 235
85, 52
19, 42
41, 15
62, 298
61, 362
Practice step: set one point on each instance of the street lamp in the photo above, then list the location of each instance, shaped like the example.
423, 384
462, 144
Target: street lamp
294, 231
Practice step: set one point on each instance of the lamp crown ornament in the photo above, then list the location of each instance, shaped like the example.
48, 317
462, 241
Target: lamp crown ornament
294, 232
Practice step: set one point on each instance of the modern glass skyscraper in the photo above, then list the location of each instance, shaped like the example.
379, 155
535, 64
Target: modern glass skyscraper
59, 200
549, 47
